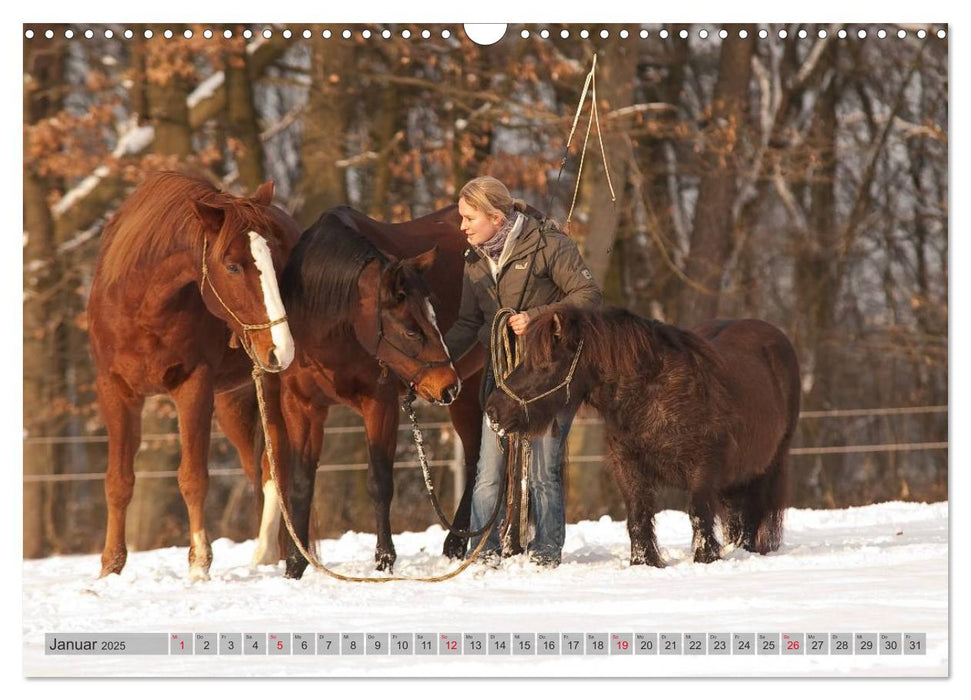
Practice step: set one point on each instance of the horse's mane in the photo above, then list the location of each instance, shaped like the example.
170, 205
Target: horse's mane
320, 278
157, 220
621, 343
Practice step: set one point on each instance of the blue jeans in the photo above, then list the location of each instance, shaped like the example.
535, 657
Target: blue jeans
545, 490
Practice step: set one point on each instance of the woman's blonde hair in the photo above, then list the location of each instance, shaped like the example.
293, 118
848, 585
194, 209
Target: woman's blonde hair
487, 194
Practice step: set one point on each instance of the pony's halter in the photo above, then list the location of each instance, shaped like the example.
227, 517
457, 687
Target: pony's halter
422, 368
524, 403
245, 340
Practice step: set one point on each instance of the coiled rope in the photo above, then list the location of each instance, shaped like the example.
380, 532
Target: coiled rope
506, 355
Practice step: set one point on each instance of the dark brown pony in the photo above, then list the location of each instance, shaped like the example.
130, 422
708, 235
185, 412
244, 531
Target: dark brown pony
710, 410
365, 300
185, 298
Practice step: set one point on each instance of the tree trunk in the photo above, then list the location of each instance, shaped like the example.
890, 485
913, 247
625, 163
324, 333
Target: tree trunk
322, 184
242, 123
168, 110
384, 132
44, 78
711, 237
817, 286
616, 66
654, 284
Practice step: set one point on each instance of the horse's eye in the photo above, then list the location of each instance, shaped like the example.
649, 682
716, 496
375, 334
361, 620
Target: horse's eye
413, 334
234, 269
400, 296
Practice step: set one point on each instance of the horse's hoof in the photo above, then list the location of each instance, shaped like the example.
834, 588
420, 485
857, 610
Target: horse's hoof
266, 555
385, 561
197, 573
455, 547
264, 559
706, 556
646, 561
113, 563
295, 568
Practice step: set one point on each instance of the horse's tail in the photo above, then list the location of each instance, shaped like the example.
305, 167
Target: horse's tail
773, 492
773, 495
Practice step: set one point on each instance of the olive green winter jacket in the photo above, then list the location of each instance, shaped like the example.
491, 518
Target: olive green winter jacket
555, 277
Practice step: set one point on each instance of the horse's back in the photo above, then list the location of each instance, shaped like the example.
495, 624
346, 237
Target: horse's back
406, 238
761, 363
440, 228
750, 333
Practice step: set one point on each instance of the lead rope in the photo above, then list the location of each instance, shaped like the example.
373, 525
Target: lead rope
408, 408
258, 381
590, 84
506, 356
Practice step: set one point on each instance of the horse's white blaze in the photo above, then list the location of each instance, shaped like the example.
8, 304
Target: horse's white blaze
280, 333
434, 319
267, 549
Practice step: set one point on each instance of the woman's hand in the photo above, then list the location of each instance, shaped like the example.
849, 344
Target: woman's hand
519, 322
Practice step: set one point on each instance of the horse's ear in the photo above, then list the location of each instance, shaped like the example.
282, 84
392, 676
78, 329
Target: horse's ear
422, 263
264, 194
211, 217
557, 327
391, 280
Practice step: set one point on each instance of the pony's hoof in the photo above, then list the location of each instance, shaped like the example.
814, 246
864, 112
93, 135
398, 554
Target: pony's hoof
454, 547
645, 561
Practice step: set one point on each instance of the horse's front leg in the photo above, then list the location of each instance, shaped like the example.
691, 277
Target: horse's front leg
640, 527
194, 403
640, 494
703, 541
122, 414
306, 431
381, 426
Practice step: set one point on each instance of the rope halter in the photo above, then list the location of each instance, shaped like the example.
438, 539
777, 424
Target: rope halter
524, 403
423, 367
247, 328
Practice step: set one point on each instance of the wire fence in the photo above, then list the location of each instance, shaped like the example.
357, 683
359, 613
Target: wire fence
456, 463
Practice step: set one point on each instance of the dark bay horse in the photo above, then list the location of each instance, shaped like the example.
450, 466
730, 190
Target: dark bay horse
365, 300
711, 411
185, 298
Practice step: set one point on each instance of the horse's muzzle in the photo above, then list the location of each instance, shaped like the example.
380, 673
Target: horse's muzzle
493, 421
450, 394
272, 363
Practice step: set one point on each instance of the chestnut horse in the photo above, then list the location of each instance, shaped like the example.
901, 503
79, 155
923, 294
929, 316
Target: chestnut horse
185, 298
711, 410
365, 299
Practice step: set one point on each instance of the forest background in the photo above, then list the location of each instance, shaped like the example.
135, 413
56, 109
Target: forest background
800, 177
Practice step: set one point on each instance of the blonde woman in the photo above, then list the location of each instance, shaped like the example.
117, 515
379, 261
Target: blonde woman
516, 260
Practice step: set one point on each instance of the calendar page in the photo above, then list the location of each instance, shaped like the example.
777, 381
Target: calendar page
539, 349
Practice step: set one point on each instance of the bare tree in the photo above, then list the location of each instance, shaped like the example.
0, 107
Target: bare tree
720, 165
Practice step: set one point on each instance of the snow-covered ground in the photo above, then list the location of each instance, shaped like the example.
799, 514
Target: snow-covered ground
880, 568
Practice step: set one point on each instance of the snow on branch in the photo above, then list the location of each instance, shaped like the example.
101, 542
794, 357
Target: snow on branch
204, 102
